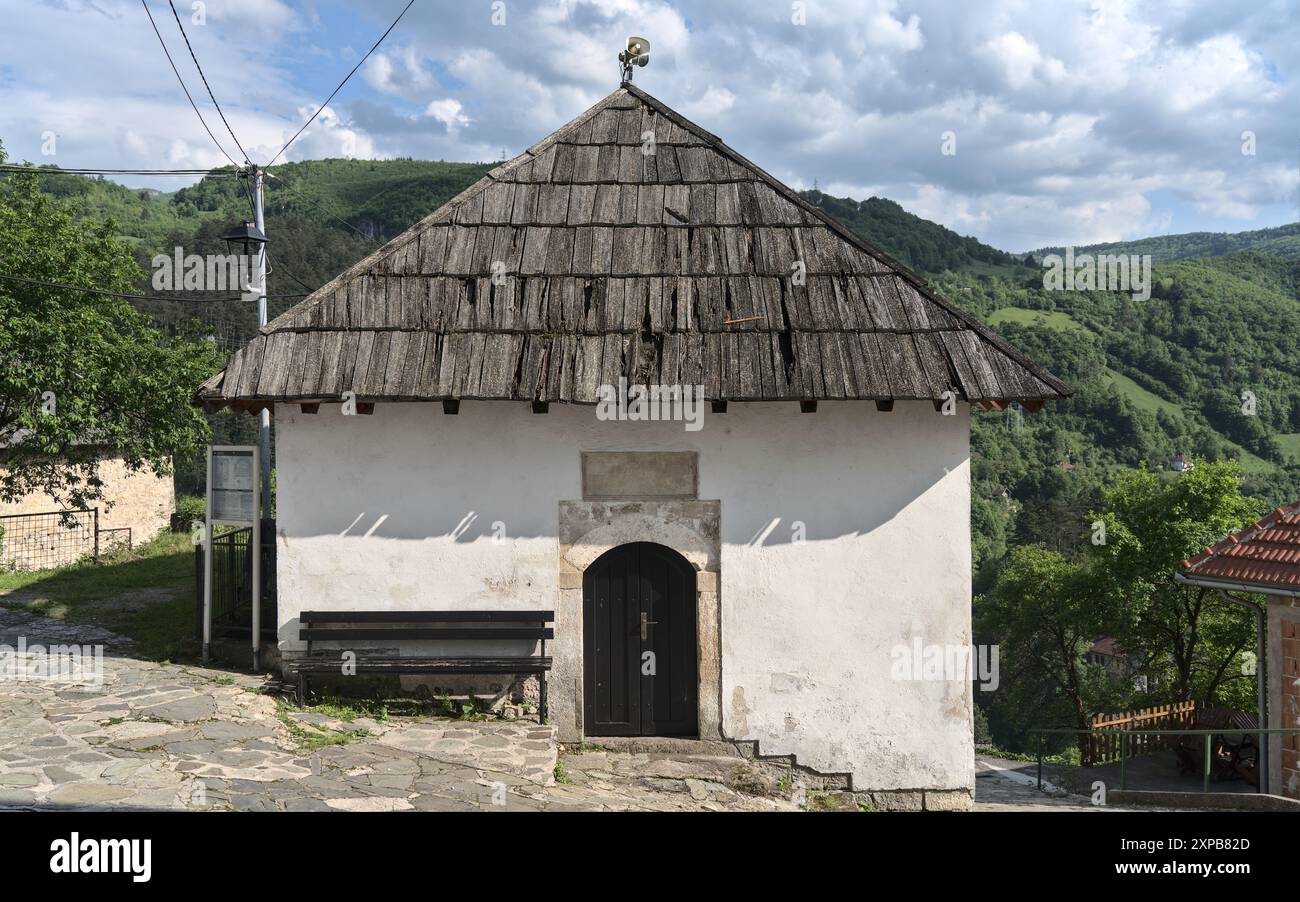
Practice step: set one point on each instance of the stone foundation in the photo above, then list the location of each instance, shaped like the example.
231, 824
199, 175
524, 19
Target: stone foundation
837, 792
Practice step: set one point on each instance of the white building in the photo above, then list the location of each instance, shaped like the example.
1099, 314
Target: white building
785, 541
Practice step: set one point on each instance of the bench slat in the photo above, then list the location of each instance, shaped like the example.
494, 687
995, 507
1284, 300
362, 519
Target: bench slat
426, 616
318, 635
427, 665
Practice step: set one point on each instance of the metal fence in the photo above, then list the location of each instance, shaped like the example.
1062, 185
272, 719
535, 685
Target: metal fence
1203, 757
232, 583
43, 541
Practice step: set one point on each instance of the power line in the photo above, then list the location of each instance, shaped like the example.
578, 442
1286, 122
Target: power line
185, 89
341, 84
288, 273
133, 297
319, 205
204, 79
59, 170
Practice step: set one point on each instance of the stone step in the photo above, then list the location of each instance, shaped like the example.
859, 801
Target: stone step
665, 745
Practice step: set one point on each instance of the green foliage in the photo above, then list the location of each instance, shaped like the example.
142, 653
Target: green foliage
1046, 607
322, 216
190, 509
1041, 614
85, 374
1186, 637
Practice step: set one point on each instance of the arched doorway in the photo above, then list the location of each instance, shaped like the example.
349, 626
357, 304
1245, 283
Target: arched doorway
639, 643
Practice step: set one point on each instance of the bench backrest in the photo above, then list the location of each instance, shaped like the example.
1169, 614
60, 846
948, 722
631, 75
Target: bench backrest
330, 625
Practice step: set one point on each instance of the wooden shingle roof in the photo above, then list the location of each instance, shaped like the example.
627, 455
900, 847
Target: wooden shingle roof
598, 254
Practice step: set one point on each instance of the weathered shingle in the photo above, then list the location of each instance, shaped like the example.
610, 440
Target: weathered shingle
628, 244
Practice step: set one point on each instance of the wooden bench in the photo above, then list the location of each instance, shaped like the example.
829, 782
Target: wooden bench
402, 626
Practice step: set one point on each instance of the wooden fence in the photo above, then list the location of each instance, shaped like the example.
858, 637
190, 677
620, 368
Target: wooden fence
1102, 745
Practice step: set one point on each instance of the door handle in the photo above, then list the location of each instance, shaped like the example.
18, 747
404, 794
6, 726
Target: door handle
645, 624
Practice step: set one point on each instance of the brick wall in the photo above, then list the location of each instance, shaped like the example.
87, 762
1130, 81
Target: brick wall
1290, 706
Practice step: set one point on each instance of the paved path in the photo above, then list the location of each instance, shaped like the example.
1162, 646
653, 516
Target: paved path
176, 737
1002, 785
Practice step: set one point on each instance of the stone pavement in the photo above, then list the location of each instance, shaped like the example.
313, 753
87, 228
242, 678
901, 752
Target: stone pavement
168, 736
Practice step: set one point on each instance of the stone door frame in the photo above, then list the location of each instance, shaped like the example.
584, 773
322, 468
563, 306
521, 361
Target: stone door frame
587, 530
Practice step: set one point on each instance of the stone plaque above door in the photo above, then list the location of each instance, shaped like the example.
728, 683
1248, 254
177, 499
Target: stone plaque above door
640, 475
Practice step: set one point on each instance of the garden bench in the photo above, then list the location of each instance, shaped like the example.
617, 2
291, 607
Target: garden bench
530, 627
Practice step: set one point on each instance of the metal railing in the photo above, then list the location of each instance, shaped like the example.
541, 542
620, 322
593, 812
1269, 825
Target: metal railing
1126, 737
232, 582
50, 539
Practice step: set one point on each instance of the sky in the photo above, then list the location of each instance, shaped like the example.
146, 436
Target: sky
1025, 123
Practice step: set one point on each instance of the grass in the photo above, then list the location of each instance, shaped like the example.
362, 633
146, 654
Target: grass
145, 593
1141, 398
308, 738
1054, 319
166, 559
1290, 442
1068, 757
561, 774
382, 707
350, 710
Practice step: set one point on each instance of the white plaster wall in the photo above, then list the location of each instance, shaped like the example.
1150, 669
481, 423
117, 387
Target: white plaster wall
401, 510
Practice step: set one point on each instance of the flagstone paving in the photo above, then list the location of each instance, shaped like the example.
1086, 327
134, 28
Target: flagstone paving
163, 736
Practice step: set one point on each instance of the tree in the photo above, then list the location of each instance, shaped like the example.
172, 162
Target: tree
1184, 635
83, 374
1042, 616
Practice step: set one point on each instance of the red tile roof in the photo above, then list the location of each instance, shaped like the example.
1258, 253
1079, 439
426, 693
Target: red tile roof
1265, 555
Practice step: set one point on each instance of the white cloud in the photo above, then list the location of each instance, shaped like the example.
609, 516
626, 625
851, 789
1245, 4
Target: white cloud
399, 72
713, 102
1021, 61
1075, 122
448, 112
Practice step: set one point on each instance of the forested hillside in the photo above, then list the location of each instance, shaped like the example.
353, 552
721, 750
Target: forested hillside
1154, 378
1283, 241
923, 245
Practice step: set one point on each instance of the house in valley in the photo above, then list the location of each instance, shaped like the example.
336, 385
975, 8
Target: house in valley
631, 378
1265, 559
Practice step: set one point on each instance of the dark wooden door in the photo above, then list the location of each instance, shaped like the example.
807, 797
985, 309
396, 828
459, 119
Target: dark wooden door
639, 644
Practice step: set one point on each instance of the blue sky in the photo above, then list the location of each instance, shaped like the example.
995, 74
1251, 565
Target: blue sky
1074, 122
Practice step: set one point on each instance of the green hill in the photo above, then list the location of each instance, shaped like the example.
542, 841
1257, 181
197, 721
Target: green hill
1282, 241
923, 245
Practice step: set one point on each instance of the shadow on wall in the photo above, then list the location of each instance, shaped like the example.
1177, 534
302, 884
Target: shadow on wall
782, 477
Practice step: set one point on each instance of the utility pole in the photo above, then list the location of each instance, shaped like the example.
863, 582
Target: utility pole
264, 509
261, 321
